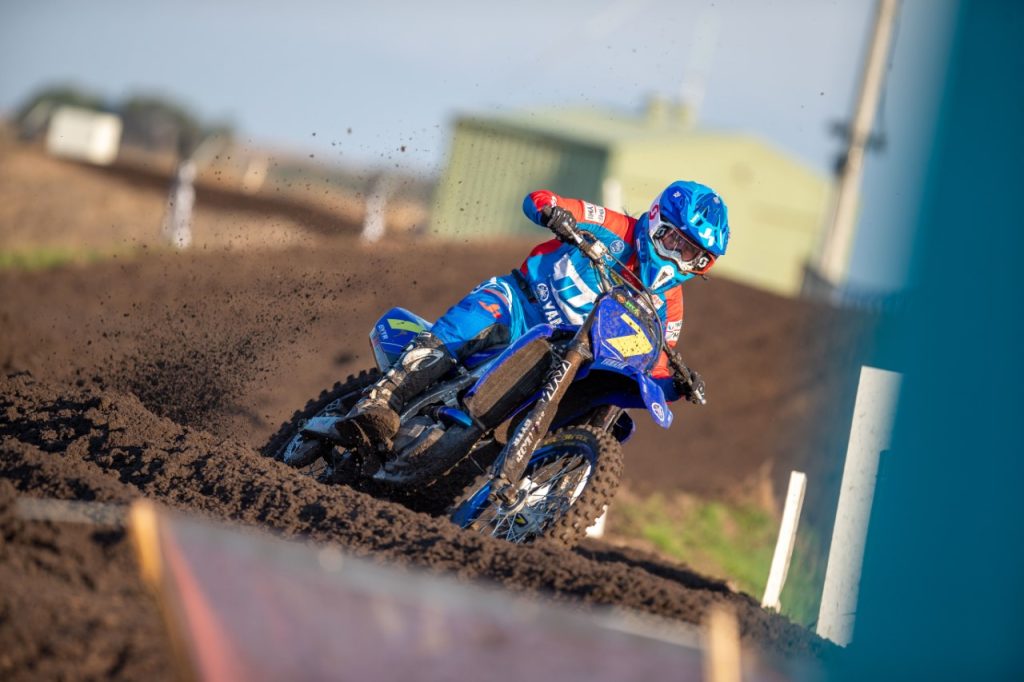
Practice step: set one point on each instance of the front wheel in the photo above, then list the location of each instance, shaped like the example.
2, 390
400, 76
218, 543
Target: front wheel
570, 479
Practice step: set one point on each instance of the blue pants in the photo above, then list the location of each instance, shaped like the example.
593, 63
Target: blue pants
497, 312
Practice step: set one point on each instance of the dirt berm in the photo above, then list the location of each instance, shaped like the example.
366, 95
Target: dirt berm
90, 444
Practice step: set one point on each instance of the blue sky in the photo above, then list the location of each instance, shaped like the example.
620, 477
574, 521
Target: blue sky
395, 74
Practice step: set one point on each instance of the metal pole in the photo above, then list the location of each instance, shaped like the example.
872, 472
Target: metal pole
375, 219
838, 240
180, 201
870, 433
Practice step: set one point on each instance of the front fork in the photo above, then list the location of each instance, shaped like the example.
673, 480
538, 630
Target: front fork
511, 463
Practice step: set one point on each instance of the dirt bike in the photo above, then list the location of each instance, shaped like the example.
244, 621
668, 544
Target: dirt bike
551, 405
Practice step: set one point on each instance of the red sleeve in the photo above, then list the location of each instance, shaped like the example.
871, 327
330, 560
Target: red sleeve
583, 211
673, 325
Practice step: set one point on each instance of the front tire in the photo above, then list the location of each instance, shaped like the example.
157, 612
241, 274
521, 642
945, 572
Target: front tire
570, 479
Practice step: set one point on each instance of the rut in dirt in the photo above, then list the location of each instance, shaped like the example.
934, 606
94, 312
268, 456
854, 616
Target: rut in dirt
89, 443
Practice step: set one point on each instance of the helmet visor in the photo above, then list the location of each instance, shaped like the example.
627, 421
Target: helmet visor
673, 244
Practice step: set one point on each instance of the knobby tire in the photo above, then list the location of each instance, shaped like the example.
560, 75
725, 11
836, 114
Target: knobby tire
569, 529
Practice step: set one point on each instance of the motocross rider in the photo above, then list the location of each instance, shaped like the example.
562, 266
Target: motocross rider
681, 236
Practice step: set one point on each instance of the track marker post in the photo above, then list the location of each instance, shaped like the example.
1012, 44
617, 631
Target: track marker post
375, 218
597, 529
870, 434
787, 539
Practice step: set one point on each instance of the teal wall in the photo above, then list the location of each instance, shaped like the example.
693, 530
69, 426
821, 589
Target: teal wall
942, 592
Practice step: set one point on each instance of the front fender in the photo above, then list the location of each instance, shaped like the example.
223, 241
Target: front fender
654, 398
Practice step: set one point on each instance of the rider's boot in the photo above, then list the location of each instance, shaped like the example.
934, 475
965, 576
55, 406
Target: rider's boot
374, 419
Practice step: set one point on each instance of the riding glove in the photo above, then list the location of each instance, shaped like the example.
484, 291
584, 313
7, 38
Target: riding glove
560, 221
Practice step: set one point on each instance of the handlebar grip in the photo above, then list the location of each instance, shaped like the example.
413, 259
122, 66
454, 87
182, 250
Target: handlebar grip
685, 374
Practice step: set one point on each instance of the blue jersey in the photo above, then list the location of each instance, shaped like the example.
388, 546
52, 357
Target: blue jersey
564, 281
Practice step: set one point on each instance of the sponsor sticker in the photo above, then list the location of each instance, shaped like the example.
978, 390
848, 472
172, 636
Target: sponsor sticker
664, 276
658, 411
618, 246
593, 214
612, 362
404, 325
543, 292
551, 313
568, 438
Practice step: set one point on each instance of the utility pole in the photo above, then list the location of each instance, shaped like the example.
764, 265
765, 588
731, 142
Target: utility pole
703, 44
834, 257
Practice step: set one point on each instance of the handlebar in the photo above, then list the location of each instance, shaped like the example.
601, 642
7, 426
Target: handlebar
593, 249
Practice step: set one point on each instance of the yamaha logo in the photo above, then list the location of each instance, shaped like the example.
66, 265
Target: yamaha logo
618, 246
542, 292
658, 410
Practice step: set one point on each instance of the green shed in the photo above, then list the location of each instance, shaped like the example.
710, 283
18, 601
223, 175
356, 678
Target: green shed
777, 205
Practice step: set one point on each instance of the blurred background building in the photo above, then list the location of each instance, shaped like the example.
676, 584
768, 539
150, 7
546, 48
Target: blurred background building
623, 161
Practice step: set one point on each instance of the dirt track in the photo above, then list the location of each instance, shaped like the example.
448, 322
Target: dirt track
161, 375
91, 444
234, 342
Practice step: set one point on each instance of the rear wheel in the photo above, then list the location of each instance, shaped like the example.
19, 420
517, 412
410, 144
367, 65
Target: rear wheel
311, 456
570, 479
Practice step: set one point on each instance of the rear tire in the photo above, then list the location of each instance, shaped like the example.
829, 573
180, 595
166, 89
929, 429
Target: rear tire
547, 518
338, 399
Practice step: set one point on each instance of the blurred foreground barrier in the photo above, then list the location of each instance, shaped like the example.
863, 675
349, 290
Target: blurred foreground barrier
243, 606
870, 434
723, 661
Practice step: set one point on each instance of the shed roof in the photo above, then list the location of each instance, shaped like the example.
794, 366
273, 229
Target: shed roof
597, 127
608, 128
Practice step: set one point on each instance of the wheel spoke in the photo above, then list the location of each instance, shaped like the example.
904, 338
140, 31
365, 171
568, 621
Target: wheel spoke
550, 490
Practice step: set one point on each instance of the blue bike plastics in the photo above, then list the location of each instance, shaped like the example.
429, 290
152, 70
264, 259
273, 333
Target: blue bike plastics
540, 331
393, 332
621, 344
398, 327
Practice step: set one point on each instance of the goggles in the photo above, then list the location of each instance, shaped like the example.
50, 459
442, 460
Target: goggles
671, 243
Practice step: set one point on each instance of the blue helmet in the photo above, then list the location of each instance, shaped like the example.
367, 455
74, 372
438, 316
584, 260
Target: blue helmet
688, 229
